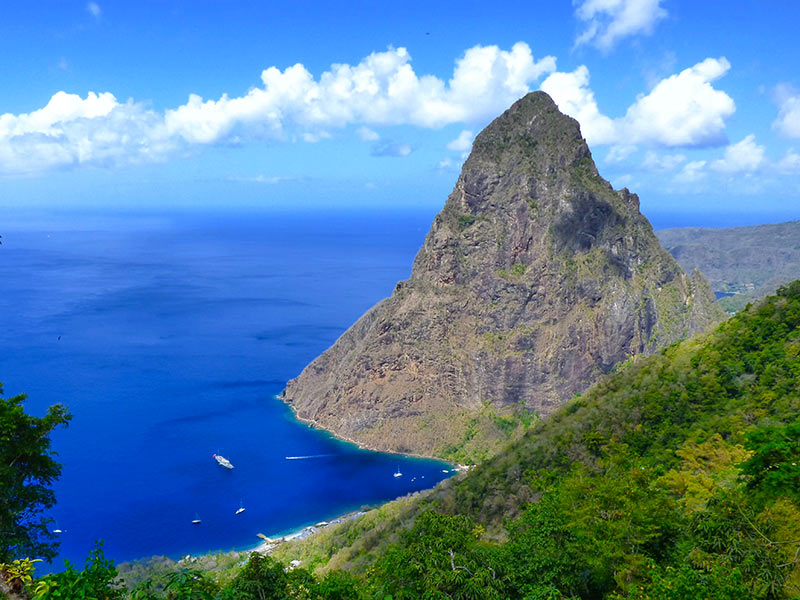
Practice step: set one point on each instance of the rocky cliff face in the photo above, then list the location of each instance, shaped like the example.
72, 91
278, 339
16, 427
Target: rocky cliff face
534, 279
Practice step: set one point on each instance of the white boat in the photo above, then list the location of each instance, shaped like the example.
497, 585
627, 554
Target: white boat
239, 510
224, 462
398, 473
196, 520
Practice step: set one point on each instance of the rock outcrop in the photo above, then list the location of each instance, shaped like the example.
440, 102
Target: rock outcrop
535, 278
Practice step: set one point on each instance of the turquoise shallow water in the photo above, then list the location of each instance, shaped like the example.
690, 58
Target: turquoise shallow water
169, 336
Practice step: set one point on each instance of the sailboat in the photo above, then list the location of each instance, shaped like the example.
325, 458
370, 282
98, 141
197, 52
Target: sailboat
239, 510
398, 473
196, 520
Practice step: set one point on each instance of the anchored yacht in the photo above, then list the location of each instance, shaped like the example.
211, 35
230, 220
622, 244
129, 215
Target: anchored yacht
224, 462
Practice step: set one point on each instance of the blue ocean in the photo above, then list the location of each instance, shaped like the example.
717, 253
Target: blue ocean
169, 336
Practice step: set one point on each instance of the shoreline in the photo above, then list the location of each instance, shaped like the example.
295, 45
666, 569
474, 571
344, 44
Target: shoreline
268, 544
316, 425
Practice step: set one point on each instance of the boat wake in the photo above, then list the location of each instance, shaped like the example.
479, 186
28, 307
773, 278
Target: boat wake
309, 456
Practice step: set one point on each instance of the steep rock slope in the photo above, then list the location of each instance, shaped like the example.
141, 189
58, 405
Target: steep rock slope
534, 279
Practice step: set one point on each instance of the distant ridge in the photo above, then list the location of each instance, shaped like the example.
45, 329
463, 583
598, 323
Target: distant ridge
751, 262
535, 278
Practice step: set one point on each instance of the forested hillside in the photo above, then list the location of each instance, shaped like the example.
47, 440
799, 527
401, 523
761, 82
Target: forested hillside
680, 468
678, 477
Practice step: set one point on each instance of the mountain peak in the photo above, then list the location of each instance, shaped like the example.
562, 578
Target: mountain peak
533, 135
536, 278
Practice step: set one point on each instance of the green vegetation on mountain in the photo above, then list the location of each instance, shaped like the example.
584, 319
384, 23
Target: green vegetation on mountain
748, 262
678, 477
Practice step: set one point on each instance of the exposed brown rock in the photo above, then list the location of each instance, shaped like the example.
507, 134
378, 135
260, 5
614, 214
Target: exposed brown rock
534, 279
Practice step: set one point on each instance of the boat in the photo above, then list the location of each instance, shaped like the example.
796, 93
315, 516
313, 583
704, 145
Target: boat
239, 510
398, 473
224, 462
196, 520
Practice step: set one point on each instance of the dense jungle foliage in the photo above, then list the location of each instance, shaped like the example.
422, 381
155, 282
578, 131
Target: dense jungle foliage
676, 478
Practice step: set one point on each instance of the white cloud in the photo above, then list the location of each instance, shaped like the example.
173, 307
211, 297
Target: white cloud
71, 130
622, 181
382, 89
94, 9
389, 148
608, 21
665, 162
449, 164
313, 138
367, 135
682, 110
619, 153
790, 163
570, 91
462, 143
692, 172
743, 157
788, 121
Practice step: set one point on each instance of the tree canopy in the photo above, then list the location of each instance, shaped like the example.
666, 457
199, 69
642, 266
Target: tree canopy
27, 470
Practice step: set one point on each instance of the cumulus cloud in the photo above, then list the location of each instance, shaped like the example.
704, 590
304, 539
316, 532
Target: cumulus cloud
314, 137
71, 130
788, 121
383, 89
389, 148
666, 162
367, 135
692, 172
790, 163
462, 143
608, 21
743, 157
682, 110
619, 153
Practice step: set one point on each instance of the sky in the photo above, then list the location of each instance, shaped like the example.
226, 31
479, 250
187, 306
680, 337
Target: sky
295, 105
